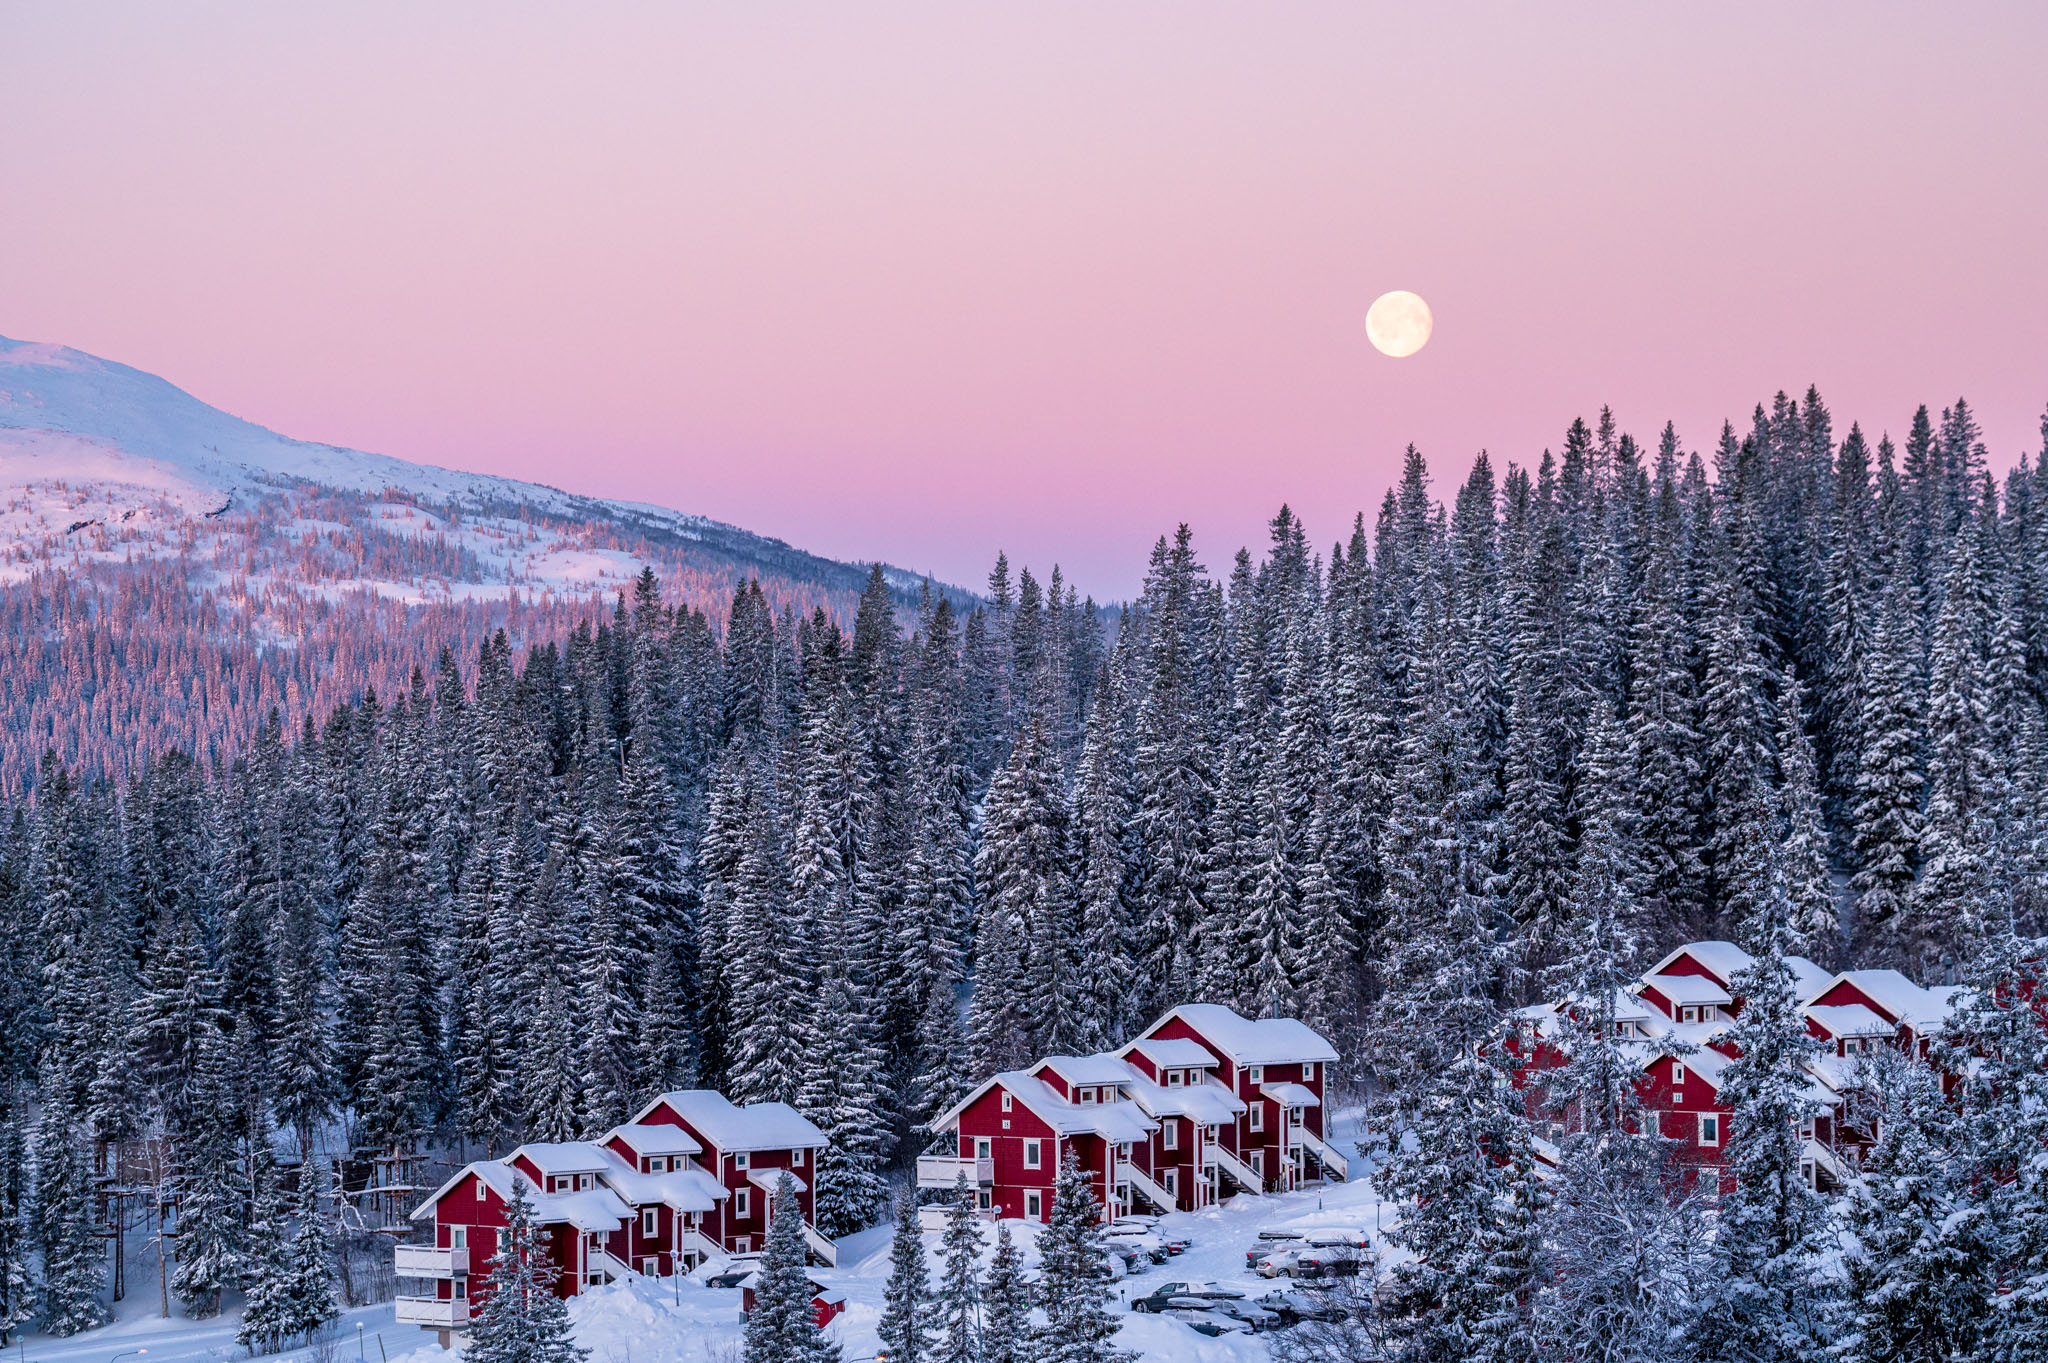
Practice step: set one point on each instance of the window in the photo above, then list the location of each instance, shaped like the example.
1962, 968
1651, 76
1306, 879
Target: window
481, 1191
1170, 1179
1258, 1117
1678, 1071
1084, 1095
1006, 1100
461, 1289
650, 1267
739, 1203
1710, 1129
1259, 1163
1034, 1204
1169, 1134
458, 1237
1308, 1072
1123, 1149
739, 1160
559, 1184
984, 1147
796, 1159
1031, 1155
984, 1199
1209, 1133
1175, 1078
585, 1182
650, 1222
743, 1244
1257, 1074
1688, 1014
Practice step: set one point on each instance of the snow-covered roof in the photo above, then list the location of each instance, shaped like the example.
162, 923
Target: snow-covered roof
564, 1157
1849, 1019
1808, 979
684, 1190
1708, 1064
1291, 1095
598, 1209
1087, 1069
1118, 1121
1924, 1010
1172, 1052
757, 1126
769, 1180
656, 1138
1724, 959
1253, 1041
1687, 990
1209, 1102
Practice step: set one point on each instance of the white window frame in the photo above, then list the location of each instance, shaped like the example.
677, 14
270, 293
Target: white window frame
1169, 1134
1034, 1204
1006, 1100
740, 1158
741, 1204
1123, 1150
458, 1237
1710, 1119
650, 1222
1175, 1078
743, 1244
1258, 1163
483, 1191
651, 1267
658, 1164
1678, 1071
984, 1147
1257, 1074
1308, 1071
585, 1182
796, 1158
1034, 1154
1169, 1179
1256, 1117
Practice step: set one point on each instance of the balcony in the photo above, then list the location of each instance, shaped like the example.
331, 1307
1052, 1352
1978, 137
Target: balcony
943, 1171
425, 1261
432, 1311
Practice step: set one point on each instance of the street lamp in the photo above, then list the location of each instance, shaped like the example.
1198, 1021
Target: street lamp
359, 1342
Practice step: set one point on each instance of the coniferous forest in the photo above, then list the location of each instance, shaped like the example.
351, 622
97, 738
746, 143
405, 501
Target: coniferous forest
1513, 735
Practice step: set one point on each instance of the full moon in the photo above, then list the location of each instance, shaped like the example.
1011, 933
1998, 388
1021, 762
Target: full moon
1398, 323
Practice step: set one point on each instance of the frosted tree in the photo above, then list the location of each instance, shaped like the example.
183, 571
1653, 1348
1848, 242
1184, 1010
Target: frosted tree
1006, 1325
1886, 817
784, 1326
17, 1277
1072, 1290
522, 1319
211, 1193
959, 1292
73, 1255
843, 1093
909, 1312
1816, 923
1771, 1298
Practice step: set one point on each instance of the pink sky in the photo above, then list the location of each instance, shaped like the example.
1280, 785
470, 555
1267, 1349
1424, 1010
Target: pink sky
921, 281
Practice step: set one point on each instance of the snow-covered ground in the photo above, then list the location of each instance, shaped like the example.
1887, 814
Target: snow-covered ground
669, 1321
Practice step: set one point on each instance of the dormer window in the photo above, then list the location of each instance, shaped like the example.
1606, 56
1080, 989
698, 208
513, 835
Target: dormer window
1175, 1078
1688, 1014
658, 1165
559, 1184
585, 1182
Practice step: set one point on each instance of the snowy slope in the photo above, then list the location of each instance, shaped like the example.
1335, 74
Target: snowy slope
102, 461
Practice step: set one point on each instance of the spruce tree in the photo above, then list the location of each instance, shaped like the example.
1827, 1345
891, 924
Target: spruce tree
1006, 1322
784, 1326
1074, 1291
308, 1306
522, 1320
959, 1291
211, 1193
1816, 924
843, 1094
909, 1315
73, 1255
17, 1226
266, 1276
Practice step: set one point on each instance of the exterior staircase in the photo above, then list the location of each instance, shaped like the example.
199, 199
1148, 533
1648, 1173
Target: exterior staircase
1240, 1172
1126, 1172
1332, 1162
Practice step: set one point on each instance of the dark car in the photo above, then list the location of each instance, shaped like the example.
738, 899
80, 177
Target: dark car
732, 1277
1161, 1297
1296, 1307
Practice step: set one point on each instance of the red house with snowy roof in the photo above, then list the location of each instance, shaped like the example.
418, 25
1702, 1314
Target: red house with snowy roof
1203, 1102
692, 1177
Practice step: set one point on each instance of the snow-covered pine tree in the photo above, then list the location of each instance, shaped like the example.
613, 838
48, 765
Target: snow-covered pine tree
1816, 921
267, 1267
843, 1093
784, 1326
211, 1192
766, 968
909, 1312
1917, 1276
73, 1255
958, 1295
1073, 1290
308, 1306
1771, 1299
1006, 1322
522, 1320
1886, 819
17, 1276
549, 1079
1021, 871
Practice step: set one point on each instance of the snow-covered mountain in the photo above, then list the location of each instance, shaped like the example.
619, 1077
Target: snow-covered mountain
100, 462
171, 574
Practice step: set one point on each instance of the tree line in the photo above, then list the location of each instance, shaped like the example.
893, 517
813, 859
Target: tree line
854, 863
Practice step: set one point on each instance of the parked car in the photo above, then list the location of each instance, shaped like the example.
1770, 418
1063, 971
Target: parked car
1295, 1307
1144, 1220
1265, 1249
1337, 1235
1134, 1257
732, 1276
1309, 1261
1257, 1317
1160, 1296
1208, 1323
1142, 1242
